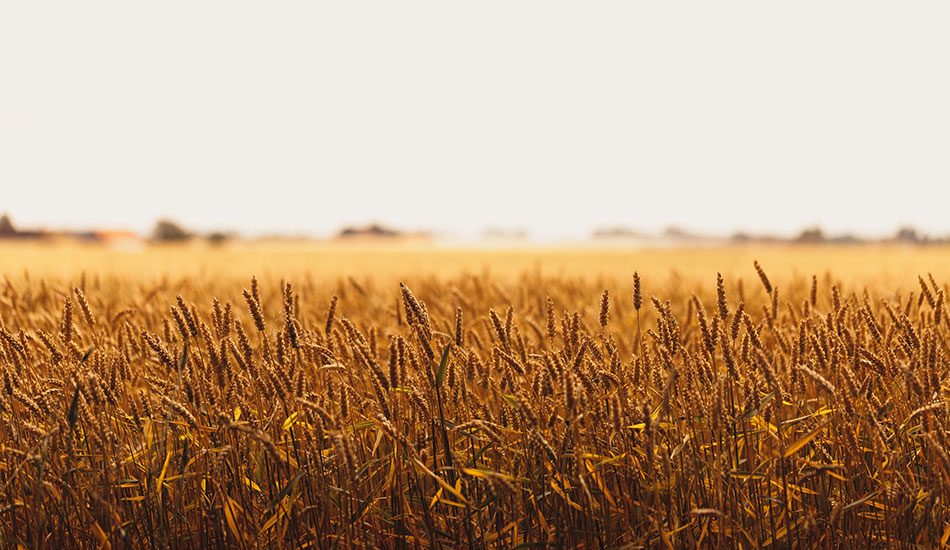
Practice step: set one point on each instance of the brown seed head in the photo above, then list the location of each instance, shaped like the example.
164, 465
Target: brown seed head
637, 295
66, 327
763, 277
458, 327
721, 298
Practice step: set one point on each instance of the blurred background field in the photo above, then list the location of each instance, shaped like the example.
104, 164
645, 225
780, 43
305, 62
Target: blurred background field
884, 264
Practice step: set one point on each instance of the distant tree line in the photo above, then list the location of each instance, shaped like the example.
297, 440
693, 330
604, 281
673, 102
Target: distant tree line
168, 231
905, 234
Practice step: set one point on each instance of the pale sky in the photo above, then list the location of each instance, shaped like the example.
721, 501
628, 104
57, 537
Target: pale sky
550, 116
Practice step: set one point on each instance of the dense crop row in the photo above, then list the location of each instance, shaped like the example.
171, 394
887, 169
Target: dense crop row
470, 413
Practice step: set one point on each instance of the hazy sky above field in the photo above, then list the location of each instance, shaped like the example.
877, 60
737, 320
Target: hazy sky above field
554, 117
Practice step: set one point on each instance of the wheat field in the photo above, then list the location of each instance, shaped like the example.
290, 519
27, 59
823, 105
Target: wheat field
362, 397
